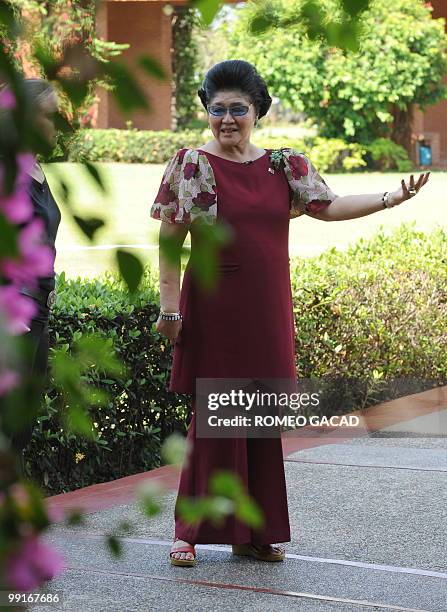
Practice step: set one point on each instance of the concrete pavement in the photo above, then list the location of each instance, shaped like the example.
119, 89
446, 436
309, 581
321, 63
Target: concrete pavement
368, 518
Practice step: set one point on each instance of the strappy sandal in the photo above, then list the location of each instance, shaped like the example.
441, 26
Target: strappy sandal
265, 552
187, 548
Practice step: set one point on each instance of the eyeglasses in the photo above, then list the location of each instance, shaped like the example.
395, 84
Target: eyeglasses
238, 110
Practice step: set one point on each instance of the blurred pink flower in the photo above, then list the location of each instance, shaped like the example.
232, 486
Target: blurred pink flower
17, 309
25, 162
36, 259
55, 514
32, 565
7, 99
17, 207
8, 381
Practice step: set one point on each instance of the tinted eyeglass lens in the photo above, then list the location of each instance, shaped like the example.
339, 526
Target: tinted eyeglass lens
235, 111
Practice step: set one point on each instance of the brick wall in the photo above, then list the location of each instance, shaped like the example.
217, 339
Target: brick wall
433, 122
148, 30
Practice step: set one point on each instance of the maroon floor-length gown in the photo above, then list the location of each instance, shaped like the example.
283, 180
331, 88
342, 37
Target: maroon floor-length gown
245, 329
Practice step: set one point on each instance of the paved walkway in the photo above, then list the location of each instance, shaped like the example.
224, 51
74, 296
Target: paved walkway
368, 518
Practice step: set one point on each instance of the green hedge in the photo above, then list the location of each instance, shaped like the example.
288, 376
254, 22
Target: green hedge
156, 147
140, 413
130, 146
372, 314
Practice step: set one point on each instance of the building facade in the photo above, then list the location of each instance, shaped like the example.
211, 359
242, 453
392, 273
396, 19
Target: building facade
146, 26
431, 125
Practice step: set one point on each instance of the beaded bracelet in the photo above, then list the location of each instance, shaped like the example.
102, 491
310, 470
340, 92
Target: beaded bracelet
170, 316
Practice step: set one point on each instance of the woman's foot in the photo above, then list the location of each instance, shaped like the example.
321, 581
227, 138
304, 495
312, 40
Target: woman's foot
182, 553
262, 552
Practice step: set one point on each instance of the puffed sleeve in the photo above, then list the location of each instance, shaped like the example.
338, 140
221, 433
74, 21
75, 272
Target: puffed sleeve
309, 191
187, 191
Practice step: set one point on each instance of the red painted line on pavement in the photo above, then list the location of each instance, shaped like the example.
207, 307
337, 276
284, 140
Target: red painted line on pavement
243, 587
364, 465
123, 490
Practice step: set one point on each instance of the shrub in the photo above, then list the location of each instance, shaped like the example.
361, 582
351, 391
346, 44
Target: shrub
336, 155
131, 146
151, 147
140, 412
373, 314
387, 155
380, 306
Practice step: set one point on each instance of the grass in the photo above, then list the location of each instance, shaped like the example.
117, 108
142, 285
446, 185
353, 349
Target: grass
132, 189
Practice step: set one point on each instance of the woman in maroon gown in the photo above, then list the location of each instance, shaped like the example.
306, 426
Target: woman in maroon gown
245, 328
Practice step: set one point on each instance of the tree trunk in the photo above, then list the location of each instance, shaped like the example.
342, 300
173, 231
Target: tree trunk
402, 126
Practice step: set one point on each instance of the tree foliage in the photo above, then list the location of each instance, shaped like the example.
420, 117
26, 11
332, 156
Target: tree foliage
185, 26
59, 25
360, 95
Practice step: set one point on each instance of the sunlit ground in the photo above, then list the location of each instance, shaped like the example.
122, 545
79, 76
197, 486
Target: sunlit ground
132, 188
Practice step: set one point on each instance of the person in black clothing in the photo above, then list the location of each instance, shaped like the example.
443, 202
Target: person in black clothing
44, 102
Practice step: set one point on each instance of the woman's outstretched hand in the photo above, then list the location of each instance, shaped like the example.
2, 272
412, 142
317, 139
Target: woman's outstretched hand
169, 329
406, 192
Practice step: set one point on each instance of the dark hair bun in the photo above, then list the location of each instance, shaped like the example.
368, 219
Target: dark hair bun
202, 95
238, 75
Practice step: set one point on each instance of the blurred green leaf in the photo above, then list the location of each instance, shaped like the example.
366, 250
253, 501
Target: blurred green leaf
249, 512
312, 15
95, 350
152, 67
126, 91
207, 8
74, 518
65, 189
149, 494
114, 545
8, 242
131, 269
37, 513
192, 509
80, 422
89, 226
227, 484
47, 60
260, 24
7, 18
66, 370
95, 174
126, 526
208, 239
6, 65
174, 449
345, 35
62, 124
355, 7
75, 88
171, 248
219, 508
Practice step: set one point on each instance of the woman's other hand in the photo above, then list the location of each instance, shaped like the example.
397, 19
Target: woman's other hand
405, 192
169, 329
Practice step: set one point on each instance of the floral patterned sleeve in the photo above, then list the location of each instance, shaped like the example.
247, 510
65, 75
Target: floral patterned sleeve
187, 191
309, 191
